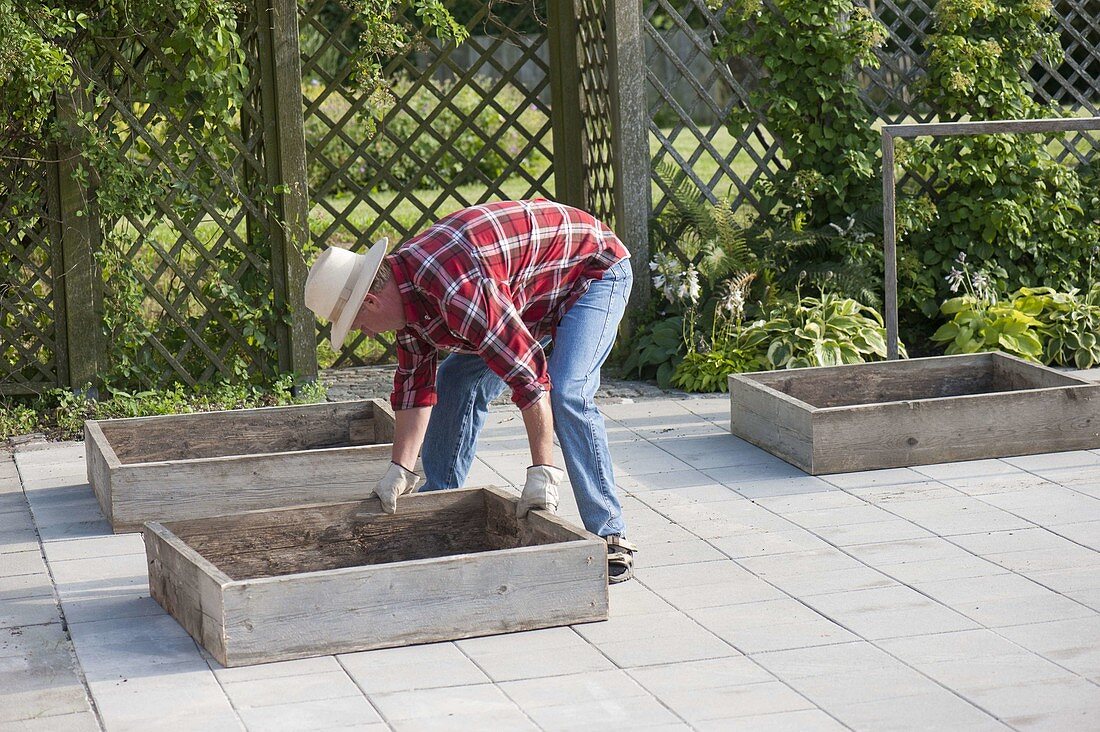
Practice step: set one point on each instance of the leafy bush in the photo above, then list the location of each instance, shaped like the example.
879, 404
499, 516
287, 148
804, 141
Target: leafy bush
60, 414
395, 157
1073, 325
1037, 324
809, 54
707, 370
185, 96
822, 331
978, 325
1003, 199
655, 349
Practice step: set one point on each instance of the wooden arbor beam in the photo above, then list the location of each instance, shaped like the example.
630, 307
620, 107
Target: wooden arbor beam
625, 74
285, 162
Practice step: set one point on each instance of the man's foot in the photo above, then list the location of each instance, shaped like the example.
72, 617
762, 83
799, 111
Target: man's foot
620, 559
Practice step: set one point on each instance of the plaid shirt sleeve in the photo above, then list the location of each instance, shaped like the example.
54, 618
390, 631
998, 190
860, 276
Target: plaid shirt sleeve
481, 312
414, 380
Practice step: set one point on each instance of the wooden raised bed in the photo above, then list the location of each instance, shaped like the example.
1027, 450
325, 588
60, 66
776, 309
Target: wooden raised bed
913, 412
213, 463
313, 580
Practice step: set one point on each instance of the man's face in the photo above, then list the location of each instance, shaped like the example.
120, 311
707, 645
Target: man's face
381, 312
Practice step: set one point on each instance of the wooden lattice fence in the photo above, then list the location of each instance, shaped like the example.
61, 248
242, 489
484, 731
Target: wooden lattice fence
570, 99
681, 120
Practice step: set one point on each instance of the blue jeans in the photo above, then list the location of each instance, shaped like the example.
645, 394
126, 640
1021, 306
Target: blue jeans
465, 386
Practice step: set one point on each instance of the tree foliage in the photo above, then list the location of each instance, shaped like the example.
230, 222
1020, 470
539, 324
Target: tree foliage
152, 98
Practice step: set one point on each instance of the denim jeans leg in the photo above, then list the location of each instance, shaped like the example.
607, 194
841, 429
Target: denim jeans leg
464, 388
582, 343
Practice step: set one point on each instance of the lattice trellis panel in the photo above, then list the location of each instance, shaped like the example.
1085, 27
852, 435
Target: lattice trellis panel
690, 93
686, 83
465, 128
596, 109
198, 260
29, 327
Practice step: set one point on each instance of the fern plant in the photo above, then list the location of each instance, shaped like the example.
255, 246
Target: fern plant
710, 236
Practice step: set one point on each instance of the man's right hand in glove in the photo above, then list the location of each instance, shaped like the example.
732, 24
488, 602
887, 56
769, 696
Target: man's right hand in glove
396, 482
541, 489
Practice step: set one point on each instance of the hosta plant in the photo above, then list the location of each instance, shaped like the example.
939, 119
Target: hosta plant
977, 325
1040, 324
1074, 327
822, 331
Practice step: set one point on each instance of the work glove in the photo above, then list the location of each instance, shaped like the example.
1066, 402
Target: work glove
396, 482
540, 490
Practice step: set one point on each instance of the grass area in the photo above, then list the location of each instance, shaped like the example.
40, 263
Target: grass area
428, 205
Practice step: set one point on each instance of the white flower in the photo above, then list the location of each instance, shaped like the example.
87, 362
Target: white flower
961, 259
982, 286
955, 279
692, 282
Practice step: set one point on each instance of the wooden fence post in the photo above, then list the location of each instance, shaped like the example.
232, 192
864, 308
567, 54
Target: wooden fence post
78, 285
284, 147
626, 75
565, 103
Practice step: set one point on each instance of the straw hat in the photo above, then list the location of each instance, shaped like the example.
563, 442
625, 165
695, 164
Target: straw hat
337, 283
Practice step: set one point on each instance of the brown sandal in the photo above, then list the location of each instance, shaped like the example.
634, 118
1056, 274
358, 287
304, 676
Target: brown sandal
620, 559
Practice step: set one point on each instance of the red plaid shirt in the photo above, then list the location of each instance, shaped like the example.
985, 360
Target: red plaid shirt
492, 280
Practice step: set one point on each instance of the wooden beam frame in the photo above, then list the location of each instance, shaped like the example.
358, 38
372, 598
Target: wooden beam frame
889, 205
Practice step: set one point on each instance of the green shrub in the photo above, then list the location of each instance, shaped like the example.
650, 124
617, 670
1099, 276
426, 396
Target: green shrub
810, 54
60, 414
978, 325
1073, 324
822, 331
1002, 199
395, 156
1037, 324
655, 350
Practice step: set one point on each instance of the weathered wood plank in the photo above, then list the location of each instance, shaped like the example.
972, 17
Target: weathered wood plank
901, 413
79, 282
242, 431
1016, 373
770, 419
100, 460
539, 527
206, 464
285, 165
958, 428
384, 421
330, 536
187, 586
425, 601
889, 381
216, 486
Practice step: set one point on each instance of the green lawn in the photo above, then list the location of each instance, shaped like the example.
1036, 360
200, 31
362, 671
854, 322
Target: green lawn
431, 204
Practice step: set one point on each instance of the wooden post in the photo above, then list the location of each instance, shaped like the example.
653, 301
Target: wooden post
78, 284
889, 244
565, 104
630, 136
285, 155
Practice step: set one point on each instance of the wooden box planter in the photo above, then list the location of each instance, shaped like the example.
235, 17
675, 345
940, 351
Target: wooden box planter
314, 580
913, 412
208, 464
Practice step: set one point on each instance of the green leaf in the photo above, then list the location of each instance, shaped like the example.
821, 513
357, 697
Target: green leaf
664, 375
955, 305
779, 353
946, 332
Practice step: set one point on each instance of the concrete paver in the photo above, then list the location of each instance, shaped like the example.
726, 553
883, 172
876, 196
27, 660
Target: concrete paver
962, 595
